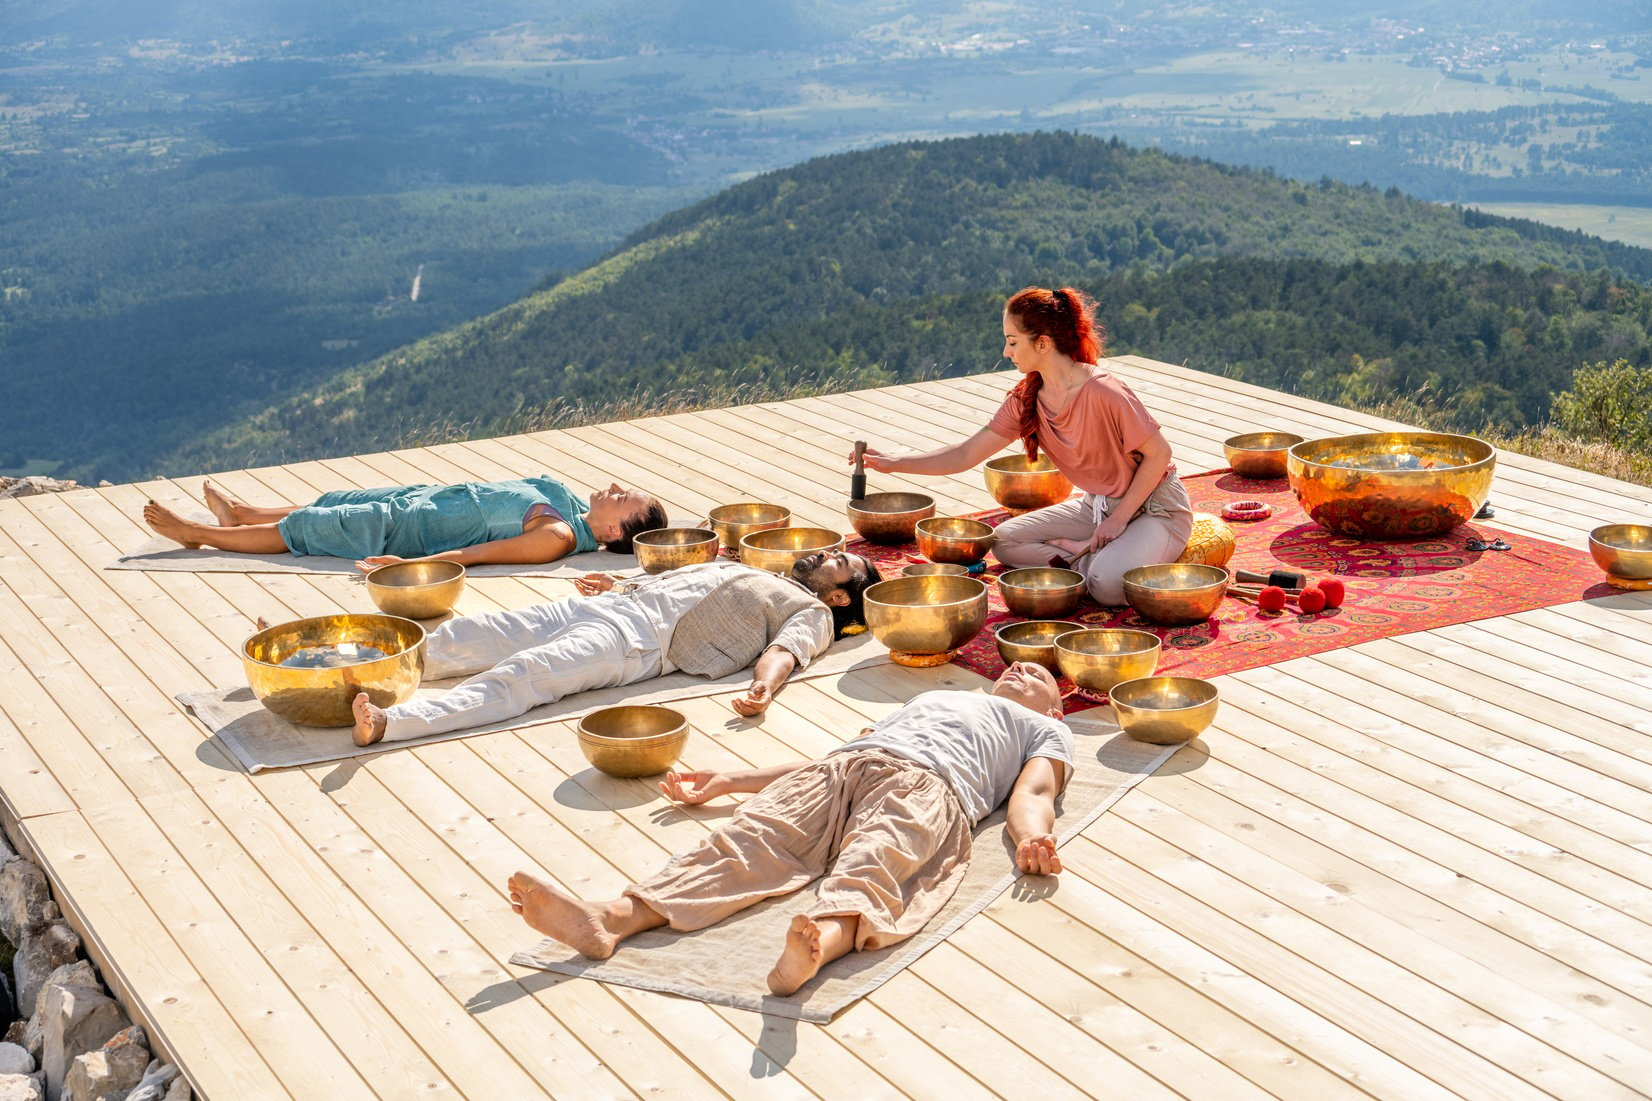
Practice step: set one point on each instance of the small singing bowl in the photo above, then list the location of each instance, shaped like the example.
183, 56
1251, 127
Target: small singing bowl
922, 569
322, 696
627, 742
1259, 455
1391, 485
890, 518
1175, 594
668, 548
1020, 483
1041, 592
953, 539
778, 549
1032, 640
923, 619
1099, 657
1623, 550
733, 523
1165, 710
416, 590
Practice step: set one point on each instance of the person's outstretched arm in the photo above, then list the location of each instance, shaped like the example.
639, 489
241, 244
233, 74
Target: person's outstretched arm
944, 460
543, 544
773, 666
1031, 815
691, 788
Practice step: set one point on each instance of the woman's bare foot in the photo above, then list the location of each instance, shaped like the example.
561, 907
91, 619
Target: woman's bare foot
369, 720
561, 916
170, 524
800, 959
226, 508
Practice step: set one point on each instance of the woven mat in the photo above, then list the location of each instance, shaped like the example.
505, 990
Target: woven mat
728, 963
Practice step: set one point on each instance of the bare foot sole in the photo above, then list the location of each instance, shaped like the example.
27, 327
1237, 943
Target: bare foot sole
226, 508
800, 959
170, 524
561, 916
369, 726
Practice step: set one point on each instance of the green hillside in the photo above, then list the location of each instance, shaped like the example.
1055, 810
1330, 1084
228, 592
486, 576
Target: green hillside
888, 265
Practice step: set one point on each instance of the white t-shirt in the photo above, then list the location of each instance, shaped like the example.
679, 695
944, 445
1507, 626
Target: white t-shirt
977, 743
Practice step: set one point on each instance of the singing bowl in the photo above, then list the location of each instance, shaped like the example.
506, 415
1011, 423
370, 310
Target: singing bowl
668, 548
322, 697
631, 741
1259, 454
1391, 485
733, 523
1019, 483
1174, 594
1165, 710
1032, 640
416, 590
1041, 592
778, 549
1623, 550
953, 539
930, 614
920, 569
1100, 657
890, 518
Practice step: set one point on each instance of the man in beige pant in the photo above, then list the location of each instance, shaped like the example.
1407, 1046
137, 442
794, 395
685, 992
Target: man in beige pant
884, 821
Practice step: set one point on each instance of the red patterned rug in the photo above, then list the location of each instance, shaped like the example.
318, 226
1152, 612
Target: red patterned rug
1392, 588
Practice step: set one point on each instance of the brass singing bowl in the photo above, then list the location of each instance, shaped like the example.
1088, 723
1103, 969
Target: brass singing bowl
1391, 485
1259, 454
1041, 592
322, 697
1623, 550
778, 549
1019, 483
1165, 710
933, 614
890, 518
920, 569
733, 523
1100, 657
1174, 594
953, 539
631, 741
668, 548
416, 590
1032, 640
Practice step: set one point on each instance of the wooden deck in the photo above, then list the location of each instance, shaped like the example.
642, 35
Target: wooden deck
1410, 869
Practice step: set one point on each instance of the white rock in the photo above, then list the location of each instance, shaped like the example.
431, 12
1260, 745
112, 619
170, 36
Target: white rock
74, 1020
156, 1082
21, 1087
38, 955
32, 1035
15, 1060
26, 904
112, 1071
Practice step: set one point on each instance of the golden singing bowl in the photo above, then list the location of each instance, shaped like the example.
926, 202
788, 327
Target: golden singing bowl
322, 697
667, 548
1165, 710
920, 569
416, 590
778, 549
1019, 483
890, 518
1623, 550
1174, 594
1041, 592
1032, 640
628, 742
1391, 485
926, 615
953, 539
733, 523
1100, 657
1259, 454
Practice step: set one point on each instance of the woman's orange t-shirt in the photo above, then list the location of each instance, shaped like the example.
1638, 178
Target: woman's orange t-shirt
1091, 440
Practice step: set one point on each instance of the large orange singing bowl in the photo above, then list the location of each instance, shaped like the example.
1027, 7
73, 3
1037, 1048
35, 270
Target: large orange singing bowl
1391, 485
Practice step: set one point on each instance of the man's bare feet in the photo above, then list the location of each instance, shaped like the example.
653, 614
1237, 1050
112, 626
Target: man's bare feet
800, 959
170, 524
369, 720
561, 916
226, 508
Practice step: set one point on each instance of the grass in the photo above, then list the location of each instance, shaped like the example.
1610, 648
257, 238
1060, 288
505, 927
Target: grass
1630, 224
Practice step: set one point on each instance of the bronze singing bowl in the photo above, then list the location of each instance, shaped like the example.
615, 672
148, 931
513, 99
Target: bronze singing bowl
778, 549
733, 523
1019, 483
322, 697
628, 742
1623, 550
1032, 640
1259, 454
1175, 594
890, 518
668, 548
933, 614
1100, 657
1041, 592
953, 539
920, 569
1391, 485
1165, 710
416, 590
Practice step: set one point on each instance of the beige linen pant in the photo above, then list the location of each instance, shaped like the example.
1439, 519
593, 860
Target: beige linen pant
886, 836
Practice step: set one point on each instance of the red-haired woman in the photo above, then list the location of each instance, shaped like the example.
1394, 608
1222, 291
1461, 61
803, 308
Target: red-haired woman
1134, 511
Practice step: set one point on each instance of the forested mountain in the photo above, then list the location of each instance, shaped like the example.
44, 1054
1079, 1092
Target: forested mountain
891, 264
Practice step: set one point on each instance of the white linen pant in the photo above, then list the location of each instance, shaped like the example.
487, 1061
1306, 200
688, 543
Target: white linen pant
524, 658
